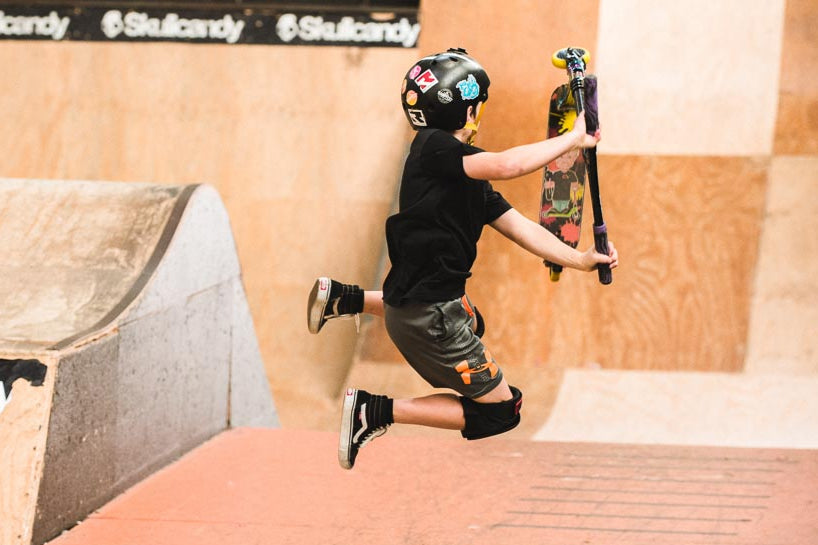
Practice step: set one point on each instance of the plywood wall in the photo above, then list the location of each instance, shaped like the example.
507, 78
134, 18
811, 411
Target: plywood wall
306, 144
785, 292
694, 137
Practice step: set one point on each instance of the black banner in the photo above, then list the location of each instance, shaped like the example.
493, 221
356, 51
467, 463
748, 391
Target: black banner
248, 26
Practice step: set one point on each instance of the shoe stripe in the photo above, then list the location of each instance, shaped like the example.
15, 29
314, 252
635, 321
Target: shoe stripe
347, 425
363, 424
318, 304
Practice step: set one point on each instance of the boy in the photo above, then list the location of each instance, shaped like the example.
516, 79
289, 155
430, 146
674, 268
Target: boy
445, 200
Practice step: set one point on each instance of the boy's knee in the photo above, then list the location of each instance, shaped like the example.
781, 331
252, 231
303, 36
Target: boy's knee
487, 419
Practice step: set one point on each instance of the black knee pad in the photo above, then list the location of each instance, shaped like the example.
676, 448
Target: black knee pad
487, 419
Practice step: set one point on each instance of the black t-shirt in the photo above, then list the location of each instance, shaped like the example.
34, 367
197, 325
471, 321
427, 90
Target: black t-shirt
432, 240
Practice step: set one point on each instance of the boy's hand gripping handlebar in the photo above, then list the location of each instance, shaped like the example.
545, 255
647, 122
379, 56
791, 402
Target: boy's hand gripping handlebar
574, 61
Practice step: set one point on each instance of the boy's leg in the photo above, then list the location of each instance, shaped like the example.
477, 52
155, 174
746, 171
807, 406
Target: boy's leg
492, 407
437, 411
331, 299
443, 410
366, 416
373, 303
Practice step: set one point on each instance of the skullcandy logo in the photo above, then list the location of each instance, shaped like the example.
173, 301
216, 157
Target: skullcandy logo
139, 25
112, 25
287, 27
444, 96
469, 88
314, 28
51, 25
417, 118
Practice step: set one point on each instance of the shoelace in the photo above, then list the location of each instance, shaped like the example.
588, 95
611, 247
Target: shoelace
376, 432
337, 314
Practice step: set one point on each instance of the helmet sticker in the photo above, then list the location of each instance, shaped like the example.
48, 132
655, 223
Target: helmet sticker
403, 86
469, 88
444, 96
413, 73
411, 98
426, 81
417, 118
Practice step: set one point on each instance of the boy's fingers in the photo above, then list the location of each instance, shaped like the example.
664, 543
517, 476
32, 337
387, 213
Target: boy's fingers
613, 254
602, 258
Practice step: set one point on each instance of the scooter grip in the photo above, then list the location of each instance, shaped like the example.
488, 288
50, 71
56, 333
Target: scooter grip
554, 270
601, 245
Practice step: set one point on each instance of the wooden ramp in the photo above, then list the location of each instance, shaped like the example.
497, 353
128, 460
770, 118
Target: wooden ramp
677, 408
259, 486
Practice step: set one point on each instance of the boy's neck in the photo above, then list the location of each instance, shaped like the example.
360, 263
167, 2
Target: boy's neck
462, 134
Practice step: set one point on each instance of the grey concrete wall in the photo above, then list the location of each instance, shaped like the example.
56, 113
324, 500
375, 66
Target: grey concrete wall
131, 402
172, 360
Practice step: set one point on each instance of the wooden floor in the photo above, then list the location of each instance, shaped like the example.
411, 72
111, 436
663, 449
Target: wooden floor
252, 486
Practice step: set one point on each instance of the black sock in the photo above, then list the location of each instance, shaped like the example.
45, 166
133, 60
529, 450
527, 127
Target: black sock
352, 299
379, 411
356, 301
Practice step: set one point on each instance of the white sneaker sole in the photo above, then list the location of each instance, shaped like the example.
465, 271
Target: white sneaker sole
347, 424
317, 304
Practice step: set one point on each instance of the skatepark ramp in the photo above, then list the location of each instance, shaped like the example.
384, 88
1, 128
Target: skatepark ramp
746, 410
130, 299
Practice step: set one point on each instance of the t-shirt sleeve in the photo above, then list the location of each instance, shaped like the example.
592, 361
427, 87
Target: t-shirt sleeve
496, 204
442, 155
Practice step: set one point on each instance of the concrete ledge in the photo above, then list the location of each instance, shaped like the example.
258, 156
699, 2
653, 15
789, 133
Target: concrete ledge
155, 354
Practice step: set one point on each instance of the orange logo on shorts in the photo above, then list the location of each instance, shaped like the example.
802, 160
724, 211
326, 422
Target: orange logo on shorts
482, 370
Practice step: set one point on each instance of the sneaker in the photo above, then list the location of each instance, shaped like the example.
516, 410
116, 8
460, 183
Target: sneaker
355, 430
331, 299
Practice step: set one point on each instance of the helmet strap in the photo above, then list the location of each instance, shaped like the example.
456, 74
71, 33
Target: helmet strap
474, 126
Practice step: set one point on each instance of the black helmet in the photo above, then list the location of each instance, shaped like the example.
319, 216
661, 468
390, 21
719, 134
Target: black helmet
439, 89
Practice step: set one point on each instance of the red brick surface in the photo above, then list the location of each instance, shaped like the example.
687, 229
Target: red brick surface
250, 486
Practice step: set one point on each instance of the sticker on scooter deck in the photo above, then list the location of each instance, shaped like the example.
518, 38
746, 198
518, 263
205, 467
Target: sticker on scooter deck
563, 186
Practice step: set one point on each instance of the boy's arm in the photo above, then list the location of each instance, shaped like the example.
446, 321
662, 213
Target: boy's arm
541, 242
527, 158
